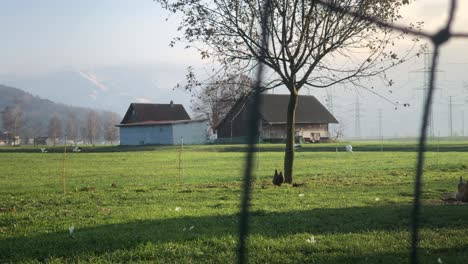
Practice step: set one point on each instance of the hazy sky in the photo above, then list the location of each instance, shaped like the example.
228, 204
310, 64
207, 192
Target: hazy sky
40, 37
46, 35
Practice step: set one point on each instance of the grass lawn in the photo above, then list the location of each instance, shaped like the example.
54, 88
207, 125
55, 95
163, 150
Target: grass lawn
135, 205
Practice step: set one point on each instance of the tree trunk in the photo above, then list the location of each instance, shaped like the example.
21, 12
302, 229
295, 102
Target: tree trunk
290, 137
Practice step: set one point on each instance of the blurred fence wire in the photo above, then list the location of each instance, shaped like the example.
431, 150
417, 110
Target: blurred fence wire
253, 122
437, 39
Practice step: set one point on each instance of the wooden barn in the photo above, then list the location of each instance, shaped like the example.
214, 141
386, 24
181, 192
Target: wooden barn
312, 120
160, 124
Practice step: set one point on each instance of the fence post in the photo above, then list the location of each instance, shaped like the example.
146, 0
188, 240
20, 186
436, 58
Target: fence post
181, 150
381, 144
63, 164
438, 148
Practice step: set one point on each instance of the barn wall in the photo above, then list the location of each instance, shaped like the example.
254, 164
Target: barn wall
193, 133
145, 135
305, 130
273, 131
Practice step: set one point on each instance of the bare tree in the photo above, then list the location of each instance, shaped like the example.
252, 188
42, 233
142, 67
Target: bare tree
55, 129
310, 45
71, 128
338, 132
30, 129
12, 119
214, 100
83, 132
111, 132
93, 127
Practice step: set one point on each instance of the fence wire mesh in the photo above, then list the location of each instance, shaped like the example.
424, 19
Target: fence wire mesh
436, 39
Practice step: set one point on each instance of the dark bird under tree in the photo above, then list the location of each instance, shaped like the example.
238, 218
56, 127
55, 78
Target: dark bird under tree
278, 179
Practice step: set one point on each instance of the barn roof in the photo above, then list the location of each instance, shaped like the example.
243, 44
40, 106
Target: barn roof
275, 106
141, 113
155, 123
309, 110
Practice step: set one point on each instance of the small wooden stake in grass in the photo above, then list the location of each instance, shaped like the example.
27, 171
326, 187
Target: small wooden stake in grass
257, 159
336, 156
438, 148
181, 149
381, 144
63, 164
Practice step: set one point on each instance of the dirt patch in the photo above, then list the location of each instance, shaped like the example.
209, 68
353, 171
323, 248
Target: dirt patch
447, 167
104, 210
405, 194
299, 184
449, 198
88, 189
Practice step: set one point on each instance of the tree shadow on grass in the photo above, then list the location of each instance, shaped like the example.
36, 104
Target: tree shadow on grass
107, 238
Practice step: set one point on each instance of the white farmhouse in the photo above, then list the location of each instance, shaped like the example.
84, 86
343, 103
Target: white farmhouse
160, 124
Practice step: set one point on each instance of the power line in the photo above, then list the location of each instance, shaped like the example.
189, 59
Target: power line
380, 124
330, 101
450, 117
451, 103
357, 118
463, 123
426, 70
330, 108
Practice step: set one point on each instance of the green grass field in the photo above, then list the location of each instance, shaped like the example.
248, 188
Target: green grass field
348, 207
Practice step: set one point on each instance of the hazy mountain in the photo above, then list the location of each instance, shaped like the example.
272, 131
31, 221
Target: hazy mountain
110, 88
37, 112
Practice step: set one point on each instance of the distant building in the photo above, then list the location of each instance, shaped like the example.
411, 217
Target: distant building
312, 120
8, 139
40, 141
161, 124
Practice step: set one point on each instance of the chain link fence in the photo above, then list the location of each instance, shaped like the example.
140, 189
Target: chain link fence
437, 40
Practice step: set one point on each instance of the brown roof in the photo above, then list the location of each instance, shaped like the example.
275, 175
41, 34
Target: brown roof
309, 110
139, 113
152, 123
275, 106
